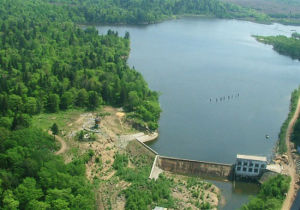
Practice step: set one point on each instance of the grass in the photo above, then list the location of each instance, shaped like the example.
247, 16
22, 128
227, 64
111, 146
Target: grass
282, 148
62, 118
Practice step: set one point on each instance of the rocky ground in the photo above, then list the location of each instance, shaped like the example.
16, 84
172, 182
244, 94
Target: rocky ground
112, 135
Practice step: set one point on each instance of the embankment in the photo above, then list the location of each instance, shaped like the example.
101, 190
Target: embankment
138, 148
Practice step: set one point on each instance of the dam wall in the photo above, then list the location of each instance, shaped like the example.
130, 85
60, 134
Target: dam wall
208, 170
196, 168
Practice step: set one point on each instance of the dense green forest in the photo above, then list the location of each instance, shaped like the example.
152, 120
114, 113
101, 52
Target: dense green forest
129, 11
32, 177
145, 11
271, 195
289, 46
47, 66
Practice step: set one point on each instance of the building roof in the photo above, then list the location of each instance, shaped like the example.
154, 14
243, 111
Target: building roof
251, 157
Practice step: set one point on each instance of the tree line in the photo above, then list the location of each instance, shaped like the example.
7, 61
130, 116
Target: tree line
130, 11
144, 11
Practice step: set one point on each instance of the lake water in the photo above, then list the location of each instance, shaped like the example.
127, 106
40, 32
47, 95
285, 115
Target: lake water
221, 90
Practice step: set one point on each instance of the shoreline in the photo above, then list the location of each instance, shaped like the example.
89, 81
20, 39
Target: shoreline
148, 138
200, 16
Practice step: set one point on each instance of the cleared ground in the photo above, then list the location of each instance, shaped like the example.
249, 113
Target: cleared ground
109, 139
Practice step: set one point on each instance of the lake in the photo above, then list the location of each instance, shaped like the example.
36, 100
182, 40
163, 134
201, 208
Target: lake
221, 91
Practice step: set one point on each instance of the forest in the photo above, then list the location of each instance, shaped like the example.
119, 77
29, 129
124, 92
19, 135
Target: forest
32, 177
289, 46
145, 12
48, 66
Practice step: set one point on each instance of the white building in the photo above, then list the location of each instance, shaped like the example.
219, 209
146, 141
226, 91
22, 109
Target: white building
249, 165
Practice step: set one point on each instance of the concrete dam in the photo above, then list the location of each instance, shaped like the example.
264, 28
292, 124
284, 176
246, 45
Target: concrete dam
196, 168
203, 169
246, 165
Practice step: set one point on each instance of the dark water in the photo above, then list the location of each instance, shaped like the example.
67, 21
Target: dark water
191, 61
296, 204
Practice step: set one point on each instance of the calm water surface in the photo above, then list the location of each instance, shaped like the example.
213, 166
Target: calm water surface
194, 62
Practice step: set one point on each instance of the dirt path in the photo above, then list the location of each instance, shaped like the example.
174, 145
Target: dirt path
63, 147
291, 167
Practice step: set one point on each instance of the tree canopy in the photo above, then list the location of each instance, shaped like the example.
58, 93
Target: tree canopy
271, 195
48, 66
32, 177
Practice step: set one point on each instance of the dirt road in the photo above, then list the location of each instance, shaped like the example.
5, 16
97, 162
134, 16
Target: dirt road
291, 168
63, 147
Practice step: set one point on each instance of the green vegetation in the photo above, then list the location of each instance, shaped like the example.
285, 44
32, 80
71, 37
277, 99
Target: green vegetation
282, 148
296, 133
145, 12
32, 177
61, 118
48, 66
54, 129
271, 194
142, 192
289, 46
85, 136
295, 137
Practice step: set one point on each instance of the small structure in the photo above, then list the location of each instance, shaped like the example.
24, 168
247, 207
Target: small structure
97, 122
250, 165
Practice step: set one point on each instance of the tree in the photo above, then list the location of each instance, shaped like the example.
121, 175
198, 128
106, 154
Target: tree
28, 191
81, 136
53, 103
21, 121
5, 122
82, 98
4, 104
30, 106
34, 204
54, 129
133, 99
15, 103
94, 100
66, 100
127, 35
9, 201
